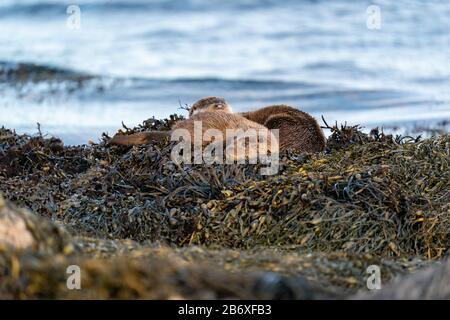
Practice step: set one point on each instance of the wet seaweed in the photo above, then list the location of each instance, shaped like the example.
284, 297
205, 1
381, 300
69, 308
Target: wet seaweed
369, 198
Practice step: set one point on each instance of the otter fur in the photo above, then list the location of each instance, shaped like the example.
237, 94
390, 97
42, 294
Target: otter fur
213, 112
297, 129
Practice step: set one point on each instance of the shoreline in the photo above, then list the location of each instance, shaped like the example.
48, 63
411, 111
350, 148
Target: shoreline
223, 231
83, 135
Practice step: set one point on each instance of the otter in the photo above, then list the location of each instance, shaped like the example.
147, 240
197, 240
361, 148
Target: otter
213, 112
297, 129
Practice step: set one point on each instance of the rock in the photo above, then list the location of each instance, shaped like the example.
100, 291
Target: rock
271, 285
432, 282
13, 229
21, 229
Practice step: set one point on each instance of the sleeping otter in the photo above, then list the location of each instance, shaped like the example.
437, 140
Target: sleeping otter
297, 129
213, 112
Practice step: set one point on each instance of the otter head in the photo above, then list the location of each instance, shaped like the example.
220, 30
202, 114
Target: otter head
209, 104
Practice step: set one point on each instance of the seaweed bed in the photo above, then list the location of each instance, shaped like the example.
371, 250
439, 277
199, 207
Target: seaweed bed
140, 226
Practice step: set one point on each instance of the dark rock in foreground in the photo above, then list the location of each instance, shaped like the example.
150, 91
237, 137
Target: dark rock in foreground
430, 283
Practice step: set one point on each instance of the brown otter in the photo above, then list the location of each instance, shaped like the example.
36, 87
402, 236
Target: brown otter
210, 104
213, 112
297, 129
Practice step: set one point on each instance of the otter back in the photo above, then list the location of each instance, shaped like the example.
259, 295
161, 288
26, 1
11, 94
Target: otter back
298, 130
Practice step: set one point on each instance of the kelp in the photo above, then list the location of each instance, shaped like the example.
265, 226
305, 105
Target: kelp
367, 199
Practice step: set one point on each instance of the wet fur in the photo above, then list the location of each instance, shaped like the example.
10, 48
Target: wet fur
297, 129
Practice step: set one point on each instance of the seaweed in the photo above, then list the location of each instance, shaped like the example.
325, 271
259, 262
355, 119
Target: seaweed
309, 231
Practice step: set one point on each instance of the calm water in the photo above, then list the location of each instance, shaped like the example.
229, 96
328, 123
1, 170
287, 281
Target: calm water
131, 60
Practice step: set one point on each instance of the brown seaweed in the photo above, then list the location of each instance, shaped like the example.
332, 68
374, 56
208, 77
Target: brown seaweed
314, 227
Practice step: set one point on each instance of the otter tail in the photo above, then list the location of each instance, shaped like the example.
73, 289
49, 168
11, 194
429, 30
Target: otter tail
139, 138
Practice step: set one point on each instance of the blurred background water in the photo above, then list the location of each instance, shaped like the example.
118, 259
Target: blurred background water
133, 59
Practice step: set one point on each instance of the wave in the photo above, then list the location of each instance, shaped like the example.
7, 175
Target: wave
14, 72
242, 92
47, 8
33, 72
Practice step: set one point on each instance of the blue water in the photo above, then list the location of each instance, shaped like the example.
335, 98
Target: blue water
131, 60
